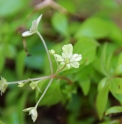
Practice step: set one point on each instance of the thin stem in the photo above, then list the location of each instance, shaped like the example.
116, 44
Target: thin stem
33, 79
52, 4
60, 69
44, 92
50, 62
42, 5
64, 78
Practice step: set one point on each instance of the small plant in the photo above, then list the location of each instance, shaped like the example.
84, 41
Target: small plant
87, 87
66, 61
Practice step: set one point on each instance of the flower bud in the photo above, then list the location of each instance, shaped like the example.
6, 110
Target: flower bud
52, 52
3, 85
33, 112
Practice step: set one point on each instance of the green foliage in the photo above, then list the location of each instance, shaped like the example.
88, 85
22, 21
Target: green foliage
2, 59
69, 5
52, 96
83, 80
102, 96
60, 23
119, 65
1, 122
11, 7
20, 63
116, 85
95, 86
93, 27
114, 110
87, 46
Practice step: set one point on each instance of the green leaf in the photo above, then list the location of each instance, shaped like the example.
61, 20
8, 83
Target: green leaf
109, 4
74, 104
1, 122
20, 63
103, 60
68, 4
114, 110
10, 7
93, 27
2, 59
118, 97
60, 23
36, 61
53, 94
68, 91
116, 85
83, 78
110, 122
119, 65
115, 33
85, 85
20, 107
10, 51
11, 96
102, 84
108, 63
73, 27
102, 97
15, 104
87, 47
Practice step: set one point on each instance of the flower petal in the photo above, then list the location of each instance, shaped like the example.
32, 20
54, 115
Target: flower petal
75, 57
68, 65
75, 64
34, 26
58, 58
62, 63
38, 19
66, 56
67, 48
27, 33
34, 114
28, 109
67, 51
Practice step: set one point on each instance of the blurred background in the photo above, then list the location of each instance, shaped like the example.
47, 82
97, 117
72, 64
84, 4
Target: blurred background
59, 25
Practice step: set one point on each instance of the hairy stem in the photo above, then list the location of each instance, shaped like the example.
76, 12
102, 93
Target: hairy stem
50, 62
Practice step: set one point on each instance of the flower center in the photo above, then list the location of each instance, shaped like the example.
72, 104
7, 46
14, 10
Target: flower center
66, 61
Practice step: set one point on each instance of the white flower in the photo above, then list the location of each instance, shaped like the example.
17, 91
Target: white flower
3, 85
33, 112
33, 28
68, 58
